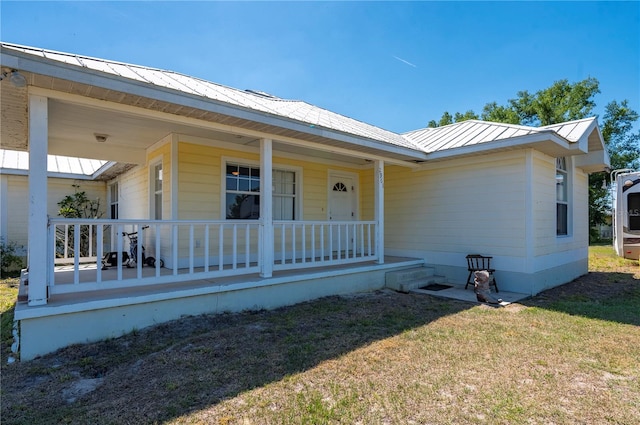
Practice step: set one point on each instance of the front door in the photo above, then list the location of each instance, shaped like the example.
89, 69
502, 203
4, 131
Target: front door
342, 207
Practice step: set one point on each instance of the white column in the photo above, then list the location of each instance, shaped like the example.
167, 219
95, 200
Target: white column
4, 207
266, 206
37, 214
378, 174
174, 177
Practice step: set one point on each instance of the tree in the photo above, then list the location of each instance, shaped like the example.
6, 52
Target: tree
623, 145
78, 205
561, 102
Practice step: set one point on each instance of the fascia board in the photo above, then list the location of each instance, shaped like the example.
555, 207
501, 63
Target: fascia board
55, 69
593, 161
20, 172
536, 141
102, 169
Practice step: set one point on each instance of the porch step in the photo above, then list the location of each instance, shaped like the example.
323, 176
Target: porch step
416, 277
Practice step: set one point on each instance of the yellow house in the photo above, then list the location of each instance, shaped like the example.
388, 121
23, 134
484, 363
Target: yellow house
245, 200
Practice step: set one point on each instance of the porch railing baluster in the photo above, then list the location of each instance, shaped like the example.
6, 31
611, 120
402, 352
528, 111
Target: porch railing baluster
234, 248
99, 254
174, 244
221, 248
302, 244
247, 246
119, 252
206, 247
191, 248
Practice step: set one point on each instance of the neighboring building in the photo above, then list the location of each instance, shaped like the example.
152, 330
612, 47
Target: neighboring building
66, 175
253, 201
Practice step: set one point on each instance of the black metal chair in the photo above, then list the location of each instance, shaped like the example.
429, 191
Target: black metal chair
477, 262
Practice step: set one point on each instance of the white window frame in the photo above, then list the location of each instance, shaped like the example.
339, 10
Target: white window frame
563, 168
298, 208
114, 203
152, 189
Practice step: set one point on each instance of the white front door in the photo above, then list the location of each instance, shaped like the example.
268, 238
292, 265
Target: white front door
342, 207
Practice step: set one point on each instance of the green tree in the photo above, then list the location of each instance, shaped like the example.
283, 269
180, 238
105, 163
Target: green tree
78, 205
564, 101
498, 113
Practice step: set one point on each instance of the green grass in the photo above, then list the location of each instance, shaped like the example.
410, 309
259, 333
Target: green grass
8, 296
568, 356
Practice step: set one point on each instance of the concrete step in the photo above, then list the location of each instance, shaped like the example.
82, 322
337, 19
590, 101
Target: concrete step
407, 279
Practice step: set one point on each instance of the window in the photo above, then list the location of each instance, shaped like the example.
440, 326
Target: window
113, 201
633, 207
562, 199
284, 195
157, 192
243, 193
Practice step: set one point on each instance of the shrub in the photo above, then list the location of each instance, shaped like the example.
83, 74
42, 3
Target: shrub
10, 262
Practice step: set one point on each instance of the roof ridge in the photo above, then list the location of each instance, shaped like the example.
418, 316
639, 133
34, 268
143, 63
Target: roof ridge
497, 123
591, 118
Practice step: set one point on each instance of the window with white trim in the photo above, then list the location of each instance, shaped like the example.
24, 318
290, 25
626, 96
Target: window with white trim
242, 197
113, 201
562, 197
157, 191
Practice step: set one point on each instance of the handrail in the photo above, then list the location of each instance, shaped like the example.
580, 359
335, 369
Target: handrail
195, 249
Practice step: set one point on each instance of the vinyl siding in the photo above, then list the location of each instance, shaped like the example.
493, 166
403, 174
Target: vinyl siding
462, 206
134, 194
200, 179
546, 240
17, 201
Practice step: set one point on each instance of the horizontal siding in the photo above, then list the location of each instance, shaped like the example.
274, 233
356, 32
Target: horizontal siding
198, 182
200, 179
17, 209
546, 241
18, 196
133, 199
367, 195
460, 208
544, 204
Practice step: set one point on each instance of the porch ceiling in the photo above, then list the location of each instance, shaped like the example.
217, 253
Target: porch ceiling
133, 123
72, 129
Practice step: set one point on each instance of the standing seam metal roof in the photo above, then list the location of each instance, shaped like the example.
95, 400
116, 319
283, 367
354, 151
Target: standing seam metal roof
466, 133
292, 109
473, 132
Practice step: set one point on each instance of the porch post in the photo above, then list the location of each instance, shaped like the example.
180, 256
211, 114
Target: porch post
266, 206
378, 173
37, 215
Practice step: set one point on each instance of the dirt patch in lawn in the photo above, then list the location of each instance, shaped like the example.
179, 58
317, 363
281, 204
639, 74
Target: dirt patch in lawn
212, 369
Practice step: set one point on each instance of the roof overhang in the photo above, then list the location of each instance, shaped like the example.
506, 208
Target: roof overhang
547, 142
57, 76
589, 150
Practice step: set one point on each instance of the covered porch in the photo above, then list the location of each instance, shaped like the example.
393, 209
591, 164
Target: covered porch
72, 317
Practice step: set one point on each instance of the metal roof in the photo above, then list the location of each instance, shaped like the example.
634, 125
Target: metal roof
250, 99
572, 130
473, 135
466, 133
19, 161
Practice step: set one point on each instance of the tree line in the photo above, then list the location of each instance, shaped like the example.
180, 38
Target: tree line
565, 101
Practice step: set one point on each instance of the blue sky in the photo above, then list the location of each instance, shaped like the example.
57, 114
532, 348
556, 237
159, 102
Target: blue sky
396, 65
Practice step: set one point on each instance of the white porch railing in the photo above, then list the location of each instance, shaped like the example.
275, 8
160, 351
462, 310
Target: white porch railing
190, 249
300, 244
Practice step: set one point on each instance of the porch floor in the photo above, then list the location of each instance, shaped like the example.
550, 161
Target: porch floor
64, 275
